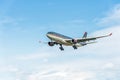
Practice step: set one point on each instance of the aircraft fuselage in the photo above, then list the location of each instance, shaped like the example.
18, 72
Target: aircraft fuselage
59, 38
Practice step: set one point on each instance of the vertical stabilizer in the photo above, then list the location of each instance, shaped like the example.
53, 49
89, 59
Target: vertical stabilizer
85, 35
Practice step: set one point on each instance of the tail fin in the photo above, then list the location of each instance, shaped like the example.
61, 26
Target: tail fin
85, 35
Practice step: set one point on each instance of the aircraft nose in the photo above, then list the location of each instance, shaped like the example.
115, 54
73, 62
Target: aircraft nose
48, 35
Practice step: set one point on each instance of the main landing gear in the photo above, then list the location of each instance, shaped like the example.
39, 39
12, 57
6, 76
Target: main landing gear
75, 47
61, 47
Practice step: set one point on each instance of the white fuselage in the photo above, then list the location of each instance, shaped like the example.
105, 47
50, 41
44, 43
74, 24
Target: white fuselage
59, 38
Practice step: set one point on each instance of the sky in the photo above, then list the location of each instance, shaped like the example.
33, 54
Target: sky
24, 22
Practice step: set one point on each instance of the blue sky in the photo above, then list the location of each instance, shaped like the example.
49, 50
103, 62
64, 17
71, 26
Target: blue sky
24, 23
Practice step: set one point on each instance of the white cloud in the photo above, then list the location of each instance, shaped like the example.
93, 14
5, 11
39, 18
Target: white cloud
108, 66
8, 68
61, 74
108, 48
112, 17
110, 44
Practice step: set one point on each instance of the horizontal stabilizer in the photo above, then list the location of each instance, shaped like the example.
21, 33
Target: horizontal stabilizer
91, 42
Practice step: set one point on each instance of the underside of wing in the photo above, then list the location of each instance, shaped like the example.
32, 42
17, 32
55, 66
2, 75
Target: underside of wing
86, 39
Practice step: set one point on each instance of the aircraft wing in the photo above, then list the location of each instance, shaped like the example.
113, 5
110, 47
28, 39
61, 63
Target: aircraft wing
87, 39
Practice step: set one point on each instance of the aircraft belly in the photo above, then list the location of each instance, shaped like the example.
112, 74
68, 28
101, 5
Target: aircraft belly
61, 41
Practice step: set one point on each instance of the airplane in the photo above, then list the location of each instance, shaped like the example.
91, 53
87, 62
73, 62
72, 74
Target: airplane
59, 39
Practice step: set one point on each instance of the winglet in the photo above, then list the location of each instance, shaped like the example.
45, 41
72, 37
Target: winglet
110, 34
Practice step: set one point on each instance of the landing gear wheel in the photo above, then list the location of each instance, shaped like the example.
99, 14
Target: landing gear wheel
61, 48
74, 47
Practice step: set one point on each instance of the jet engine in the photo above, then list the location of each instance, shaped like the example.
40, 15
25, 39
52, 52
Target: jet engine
51, 43
74, 41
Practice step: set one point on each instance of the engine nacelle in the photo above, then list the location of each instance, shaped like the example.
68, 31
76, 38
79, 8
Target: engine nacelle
83, 43
51, 43
74, 41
